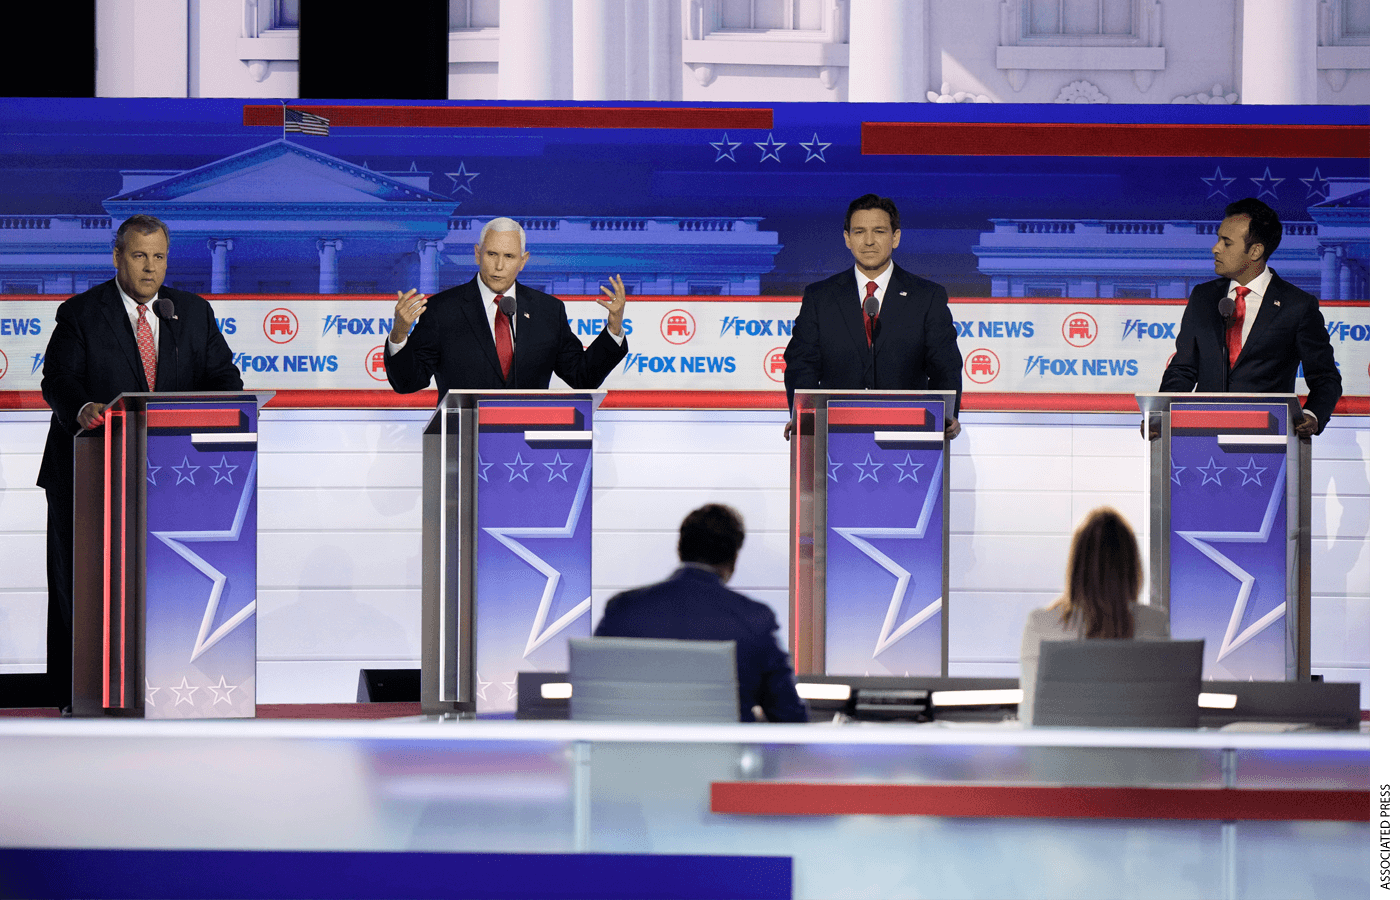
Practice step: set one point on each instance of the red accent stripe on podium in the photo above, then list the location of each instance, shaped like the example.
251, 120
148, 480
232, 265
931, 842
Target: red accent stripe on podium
874, 416
1222, 419
194, 418
712, 117
1065, 139
528, 415
758, 798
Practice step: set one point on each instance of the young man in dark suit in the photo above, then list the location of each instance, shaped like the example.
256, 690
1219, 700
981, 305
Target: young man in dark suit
494, 332
876, 326
1248, 330
110, 340
694, 604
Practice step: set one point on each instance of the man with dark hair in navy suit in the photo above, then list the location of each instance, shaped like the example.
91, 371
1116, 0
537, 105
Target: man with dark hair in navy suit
108, 341
1248, 330
876, 326
694, 604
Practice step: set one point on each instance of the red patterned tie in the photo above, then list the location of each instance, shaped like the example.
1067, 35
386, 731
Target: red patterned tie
1235, 333
870, 321
504, 351
146, 343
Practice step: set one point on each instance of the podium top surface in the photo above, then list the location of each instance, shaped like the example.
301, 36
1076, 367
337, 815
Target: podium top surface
138, 399
815, 399
471, 399
1150, 403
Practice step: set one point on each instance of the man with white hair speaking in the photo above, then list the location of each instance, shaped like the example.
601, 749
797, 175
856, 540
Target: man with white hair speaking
494, 332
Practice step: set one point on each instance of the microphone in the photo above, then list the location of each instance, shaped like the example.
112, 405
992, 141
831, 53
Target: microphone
871, 307
507, 307
165, 311
1227, 308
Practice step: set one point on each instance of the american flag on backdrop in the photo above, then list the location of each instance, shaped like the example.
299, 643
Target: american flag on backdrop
304, 122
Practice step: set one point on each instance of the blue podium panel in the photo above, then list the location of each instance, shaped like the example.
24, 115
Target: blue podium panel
201, 560
885, 537
1229, 542
534, 539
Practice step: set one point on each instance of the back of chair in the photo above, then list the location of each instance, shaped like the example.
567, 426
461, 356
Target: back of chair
653, 680
1124, 683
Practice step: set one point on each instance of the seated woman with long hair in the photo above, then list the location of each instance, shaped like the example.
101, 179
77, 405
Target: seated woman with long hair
1102, 582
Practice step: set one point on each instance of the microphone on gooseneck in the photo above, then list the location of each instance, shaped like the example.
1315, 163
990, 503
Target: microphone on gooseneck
165, 311
1226, 308
507, 307
871, 307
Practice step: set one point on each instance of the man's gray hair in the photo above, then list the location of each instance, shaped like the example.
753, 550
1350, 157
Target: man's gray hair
501, 223
141, 224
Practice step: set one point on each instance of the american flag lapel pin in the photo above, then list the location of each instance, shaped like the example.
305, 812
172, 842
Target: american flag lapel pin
1276, 303
527, 315
904, 293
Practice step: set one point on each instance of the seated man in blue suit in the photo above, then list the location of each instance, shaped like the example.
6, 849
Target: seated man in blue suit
694, 604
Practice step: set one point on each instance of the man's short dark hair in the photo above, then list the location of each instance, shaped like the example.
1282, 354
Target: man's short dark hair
141, 224
712, 535
873, 201
1264, 226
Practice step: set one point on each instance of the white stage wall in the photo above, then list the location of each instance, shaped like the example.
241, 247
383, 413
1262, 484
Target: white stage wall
339, 511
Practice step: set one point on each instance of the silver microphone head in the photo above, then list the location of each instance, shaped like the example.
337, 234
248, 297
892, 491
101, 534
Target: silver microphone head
871, 306
507, 304
165, 308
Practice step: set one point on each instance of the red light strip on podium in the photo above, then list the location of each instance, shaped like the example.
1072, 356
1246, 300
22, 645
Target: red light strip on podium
758, 798
194, 418
1222, 419
870, 416
527, 415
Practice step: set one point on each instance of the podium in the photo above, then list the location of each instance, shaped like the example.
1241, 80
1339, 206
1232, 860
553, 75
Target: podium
1230, 529
165, 557
868, 574
507, 542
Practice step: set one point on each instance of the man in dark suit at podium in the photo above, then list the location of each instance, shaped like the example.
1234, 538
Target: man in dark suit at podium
876, 326
1248, 330
119, 337
694, 604
494, 332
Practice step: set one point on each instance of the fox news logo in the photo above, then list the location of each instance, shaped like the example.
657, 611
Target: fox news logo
584, 327
1044, 365
280, 325
1342, 331
37, 363
20, 327
1022, 329
346, 325
696, 364
754, 327
274, 363
1156, 331
228, 325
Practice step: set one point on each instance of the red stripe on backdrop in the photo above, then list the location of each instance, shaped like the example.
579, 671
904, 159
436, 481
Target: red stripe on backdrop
978, 801
521, 116
974, 402
1062, 139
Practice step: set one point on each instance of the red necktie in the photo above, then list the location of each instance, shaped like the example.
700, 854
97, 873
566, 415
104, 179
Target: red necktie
146, 343
870, 321
504, 351
1235, 333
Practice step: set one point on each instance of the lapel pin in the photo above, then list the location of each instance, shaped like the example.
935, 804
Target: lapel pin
527, 315
904, 293
1276, 303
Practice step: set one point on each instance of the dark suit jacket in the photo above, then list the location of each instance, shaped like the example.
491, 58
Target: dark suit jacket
1288, 330
92, 357
916, 348
454, 341
693, 604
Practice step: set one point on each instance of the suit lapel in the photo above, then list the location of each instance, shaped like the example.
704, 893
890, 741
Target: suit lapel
1269, 308
481, 327
893, 308
167, 357
849, 310
115, 313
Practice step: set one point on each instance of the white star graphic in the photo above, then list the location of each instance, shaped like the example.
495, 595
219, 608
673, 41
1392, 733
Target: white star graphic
1267, 184
1217, 183
870, 464
889, 634
184, 692
185, 472
176, 540
462, 179
725, 148
151, 693
151, 472
913, 467
509, 687
224, 471
1316, 184
223, 691
816, 148
832, 467
562, 466
1234, 638
482, 473
540, 631
1176, 472
481, 686
770, 148
519, 469
1252, 472
1210, 472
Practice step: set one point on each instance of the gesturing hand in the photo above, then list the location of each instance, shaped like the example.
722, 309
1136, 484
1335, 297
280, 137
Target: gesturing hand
617, 299
410, 306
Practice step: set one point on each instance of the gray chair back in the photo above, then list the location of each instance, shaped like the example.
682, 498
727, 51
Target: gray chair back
653, 680
1125, 683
